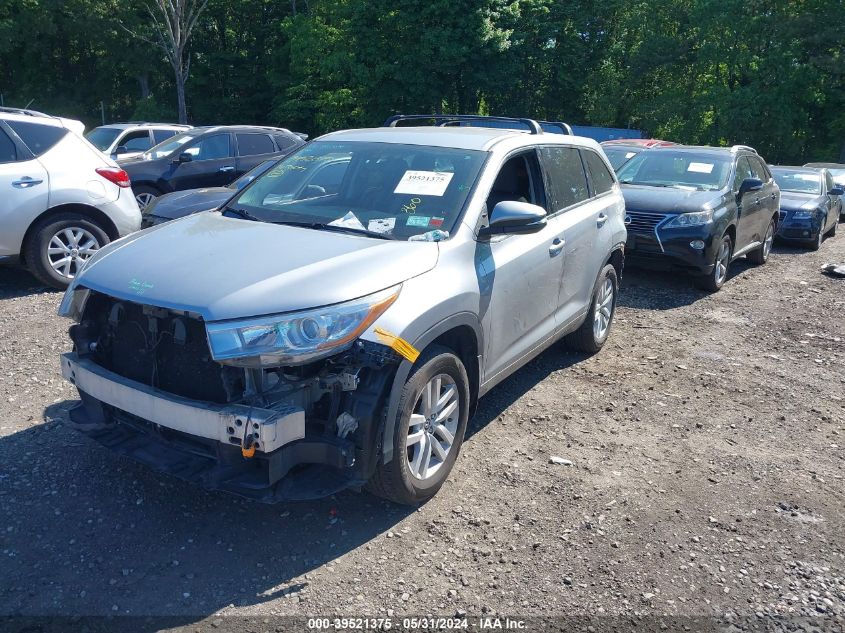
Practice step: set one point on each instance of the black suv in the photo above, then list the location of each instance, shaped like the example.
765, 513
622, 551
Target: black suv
699, 208
206, 157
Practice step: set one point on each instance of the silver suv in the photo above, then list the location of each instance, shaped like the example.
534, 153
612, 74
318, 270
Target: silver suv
334, 324
130, 140
60, 199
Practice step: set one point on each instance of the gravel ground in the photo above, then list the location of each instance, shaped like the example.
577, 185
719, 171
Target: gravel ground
704, 477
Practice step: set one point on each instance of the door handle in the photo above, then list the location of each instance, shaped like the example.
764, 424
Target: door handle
556, 247
601, 219
26, 182
226, 169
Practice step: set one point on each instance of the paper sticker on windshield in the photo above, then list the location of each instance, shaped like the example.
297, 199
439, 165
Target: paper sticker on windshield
349, 221
418, 220
630, 154
701, 168
381, 225
438, 222
424, 183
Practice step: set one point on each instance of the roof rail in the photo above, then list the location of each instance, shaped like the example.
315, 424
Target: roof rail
748, 148
564, 127
24, 111
442, 120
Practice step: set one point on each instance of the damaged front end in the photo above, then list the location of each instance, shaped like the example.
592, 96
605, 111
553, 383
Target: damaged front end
271, 426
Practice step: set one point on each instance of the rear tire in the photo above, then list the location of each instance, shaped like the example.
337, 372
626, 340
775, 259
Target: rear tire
144, 195
419, 467
721, 263
591, 336
760, 256
59, 245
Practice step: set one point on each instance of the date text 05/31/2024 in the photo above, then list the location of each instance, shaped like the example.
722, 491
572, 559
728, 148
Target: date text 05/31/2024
416, 624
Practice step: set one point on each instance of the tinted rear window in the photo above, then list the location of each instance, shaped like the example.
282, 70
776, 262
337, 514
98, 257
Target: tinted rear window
252, 144
38, 138
287, 142
8, 153
162, 135
600, 176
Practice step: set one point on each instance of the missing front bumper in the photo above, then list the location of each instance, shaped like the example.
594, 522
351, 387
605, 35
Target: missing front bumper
192, 440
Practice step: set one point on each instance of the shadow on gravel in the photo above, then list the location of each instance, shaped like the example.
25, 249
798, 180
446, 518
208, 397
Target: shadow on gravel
90, 533
648, 289
17, 282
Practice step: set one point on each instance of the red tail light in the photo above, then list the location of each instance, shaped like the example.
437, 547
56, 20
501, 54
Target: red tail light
115, 175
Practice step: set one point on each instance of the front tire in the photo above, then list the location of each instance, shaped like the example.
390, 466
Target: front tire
430, 426
760, 256
832, 230
60, 245
595, 329
716, 279
816, 244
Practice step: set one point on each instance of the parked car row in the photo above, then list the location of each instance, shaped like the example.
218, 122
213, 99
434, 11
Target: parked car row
333, 319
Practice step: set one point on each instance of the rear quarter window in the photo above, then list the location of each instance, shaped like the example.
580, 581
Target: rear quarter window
286, 143
37, 137
159, 136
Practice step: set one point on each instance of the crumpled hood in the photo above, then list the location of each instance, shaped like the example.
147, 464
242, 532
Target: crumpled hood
669, 199
792, 200
228, 268
181, 203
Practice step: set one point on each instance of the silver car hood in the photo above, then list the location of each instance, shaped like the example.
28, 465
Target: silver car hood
227, 268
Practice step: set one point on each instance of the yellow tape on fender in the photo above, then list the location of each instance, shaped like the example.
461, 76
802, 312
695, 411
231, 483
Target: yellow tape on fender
399, 345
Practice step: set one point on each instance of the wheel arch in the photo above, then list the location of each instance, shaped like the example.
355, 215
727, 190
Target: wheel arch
461, 333
91, 213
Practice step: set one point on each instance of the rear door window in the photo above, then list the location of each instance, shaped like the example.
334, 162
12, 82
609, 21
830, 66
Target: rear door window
567, 180
8, 151
37, 137
159, 136
253, 144
601, 180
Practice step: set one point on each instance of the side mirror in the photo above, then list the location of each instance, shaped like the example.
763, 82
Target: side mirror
121, 149
838, 190
510, 216
184, 157
750, 184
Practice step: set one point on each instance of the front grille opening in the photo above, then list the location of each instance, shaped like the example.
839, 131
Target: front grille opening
159, 348
643, 222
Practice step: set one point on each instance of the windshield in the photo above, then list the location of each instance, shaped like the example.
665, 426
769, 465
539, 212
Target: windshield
172, 144
684, 170
618, 156
102, 137
386, 189
252, 174
797, 180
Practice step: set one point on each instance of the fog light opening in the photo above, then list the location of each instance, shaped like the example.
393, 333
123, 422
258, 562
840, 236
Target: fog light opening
697, 245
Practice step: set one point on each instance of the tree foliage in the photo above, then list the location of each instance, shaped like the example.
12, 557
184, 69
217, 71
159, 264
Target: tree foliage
768, 73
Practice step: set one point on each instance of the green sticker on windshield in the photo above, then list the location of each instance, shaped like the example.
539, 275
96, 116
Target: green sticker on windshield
418, 220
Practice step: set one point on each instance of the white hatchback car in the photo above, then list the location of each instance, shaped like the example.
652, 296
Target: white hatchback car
60, 198
121, 141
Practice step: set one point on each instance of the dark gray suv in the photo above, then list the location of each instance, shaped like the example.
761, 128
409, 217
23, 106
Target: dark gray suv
699, 208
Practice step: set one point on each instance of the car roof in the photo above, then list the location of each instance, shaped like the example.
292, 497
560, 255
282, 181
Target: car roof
643, 143
455, 137
241, 128
131, 124
827, 165
800, 169
706, 149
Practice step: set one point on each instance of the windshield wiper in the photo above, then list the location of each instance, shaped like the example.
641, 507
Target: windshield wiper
241, 213
323, 226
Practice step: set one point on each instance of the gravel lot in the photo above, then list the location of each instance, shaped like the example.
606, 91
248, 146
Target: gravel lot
707, 450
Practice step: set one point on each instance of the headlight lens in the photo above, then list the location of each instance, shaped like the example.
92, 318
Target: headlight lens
690, 219
299, 337
803, 214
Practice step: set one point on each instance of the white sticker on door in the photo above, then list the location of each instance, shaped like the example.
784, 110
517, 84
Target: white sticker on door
701, 168
424, 183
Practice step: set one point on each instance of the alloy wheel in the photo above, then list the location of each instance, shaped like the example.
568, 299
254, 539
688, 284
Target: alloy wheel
143, 199
432, 426
723, 260
767, 243
69, 248
603, 309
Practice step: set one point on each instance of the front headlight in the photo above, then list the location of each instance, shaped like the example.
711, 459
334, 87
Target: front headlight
298, 337
803, 214
690, 219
